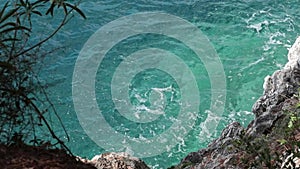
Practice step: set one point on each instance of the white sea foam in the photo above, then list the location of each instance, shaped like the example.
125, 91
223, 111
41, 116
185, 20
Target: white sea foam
210, 122
253, 63
258, 26
157, 104
139, 98
141, 108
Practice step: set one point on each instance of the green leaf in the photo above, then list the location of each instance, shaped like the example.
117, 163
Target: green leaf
290, 125
9, 14
3, 9
22, 3
14, 29
50, 10
8, 24
282, 141
76, 9
10, 39
293, 119
65, 9
37, 12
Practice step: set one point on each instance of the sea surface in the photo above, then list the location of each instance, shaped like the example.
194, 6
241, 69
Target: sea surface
251, 38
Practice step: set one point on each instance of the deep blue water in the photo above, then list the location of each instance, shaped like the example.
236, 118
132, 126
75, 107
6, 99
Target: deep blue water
250, 37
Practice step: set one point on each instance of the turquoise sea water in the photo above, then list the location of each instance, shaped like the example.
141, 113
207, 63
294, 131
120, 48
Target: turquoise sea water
251, 38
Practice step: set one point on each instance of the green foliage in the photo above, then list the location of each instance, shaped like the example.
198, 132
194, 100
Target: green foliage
293, 120
256, 152
282, 141
278, 149
21, 115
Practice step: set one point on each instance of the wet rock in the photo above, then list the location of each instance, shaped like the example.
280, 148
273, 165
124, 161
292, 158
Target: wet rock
221, 149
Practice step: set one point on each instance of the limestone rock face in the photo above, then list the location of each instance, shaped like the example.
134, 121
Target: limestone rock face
278, 90
117, 161
279, 94
218, 153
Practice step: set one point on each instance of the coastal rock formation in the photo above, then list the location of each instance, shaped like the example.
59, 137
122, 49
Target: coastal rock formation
281, 91
117, 161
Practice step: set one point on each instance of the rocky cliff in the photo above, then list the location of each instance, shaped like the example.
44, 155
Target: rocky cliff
270, 140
